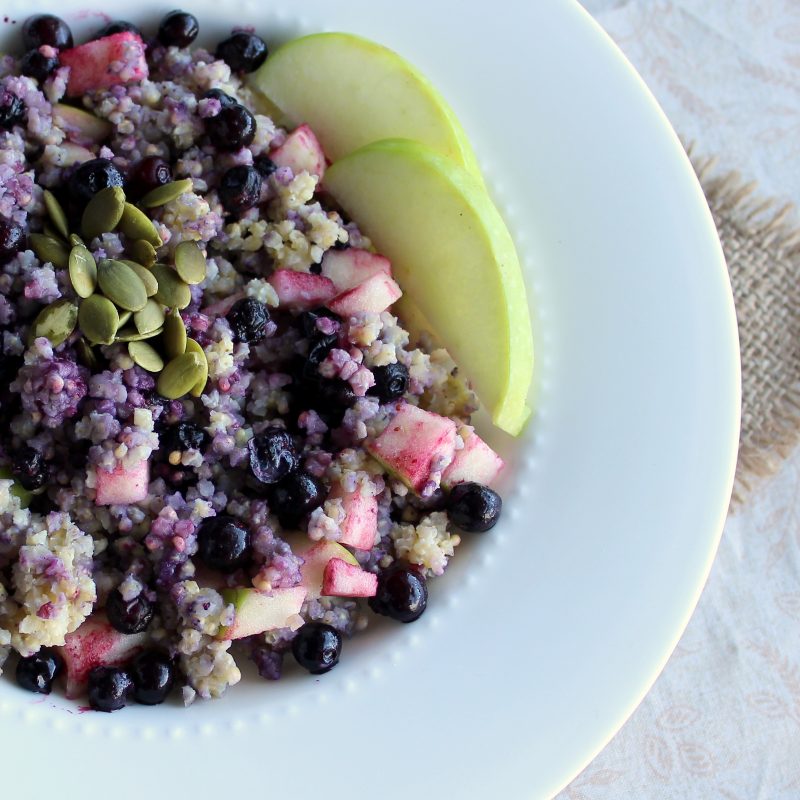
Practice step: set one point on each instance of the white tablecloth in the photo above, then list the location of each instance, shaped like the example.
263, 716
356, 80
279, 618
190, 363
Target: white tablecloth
723, 720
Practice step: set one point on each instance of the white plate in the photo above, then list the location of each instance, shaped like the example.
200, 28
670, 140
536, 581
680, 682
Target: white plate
547, 632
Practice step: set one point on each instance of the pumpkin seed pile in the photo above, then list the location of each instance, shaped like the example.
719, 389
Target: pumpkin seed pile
133, 300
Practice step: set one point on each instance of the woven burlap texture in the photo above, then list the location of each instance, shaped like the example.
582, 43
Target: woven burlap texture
763, 255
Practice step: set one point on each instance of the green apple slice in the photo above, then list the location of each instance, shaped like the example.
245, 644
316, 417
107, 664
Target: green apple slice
352, 91
453, 256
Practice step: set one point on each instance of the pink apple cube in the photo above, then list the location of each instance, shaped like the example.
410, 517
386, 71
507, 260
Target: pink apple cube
345, 580
112, 60
257, 612
315, 558
222, 307
374, 295
96, 644
347, 268
476, 461
360, 524
123, 486
301, 152
415, 444
301, 290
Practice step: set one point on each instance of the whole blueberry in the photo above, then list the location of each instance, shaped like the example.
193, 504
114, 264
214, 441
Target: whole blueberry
12, 110
473, 507
128, 616
317, 647
12, 239
36, 673
265, 165
183, 436
240, 188
225, 100
29, 467
38, 66
295, 496
92, 176
109, 688
232, 129
178, 29
391, 382
273, 455
148, 173
243, 52
402, 593
248, 320
117, 26
223, 543
153, 676
46, 29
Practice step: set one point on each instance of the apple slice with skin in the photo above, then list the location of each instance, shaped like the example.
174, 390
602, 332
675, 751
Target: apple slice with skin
454, 257
374, 295
415, 444
96, 644
301, 152
345, 580
475, 462
360, 524
301, 291
347, 268
315, 558
257, 612
122, 486
109, 61
352, 91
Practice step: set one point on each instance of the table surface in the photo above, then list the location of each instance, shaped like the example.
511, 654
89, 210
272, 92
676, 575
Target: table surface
723, 720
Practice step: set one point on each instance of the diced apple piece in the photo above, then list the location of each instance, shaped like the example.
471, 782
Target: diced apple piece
222, 307
345, 580
315, 559
257, 612
109, 61
123, 486
374, 295
347, 268
415, 444
71, 153
301, 290
81, 127
301, 152
360, 524
96, 644
476, 462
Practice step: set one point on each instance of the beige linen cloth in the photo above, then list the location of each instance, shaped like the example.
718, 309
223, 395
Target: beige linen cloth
723, 720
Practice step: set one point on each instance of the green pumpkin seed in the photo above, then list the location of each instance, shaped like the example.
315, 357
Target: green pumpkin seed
190, 262
135, 224
56, 213
145, 356
172, 291
149, 318
193, 347
180, 375
98, 319
143, 252
147, 277
103, 212
76, 240
119, 283
162, 195
124, 317
130, 334
82, 271
49, 249
174, 334
86, 355
55, 322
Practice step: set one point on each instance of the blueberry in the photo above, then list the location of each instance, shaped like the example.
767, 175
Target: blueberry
36, 673
178, 29
225, 100
295, 496
391, 382
243, 52
183, 436
109, 688
36, 66
317, 647
473, 507
248, 320
128, 616
117, 26
149, 173
92, 176
153, 677
240, 188
232, 129
46, 29
29, 467
223, 543
265, 165
319, 347
273, 455
402, 593
12, 239
12, 110
335, 394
